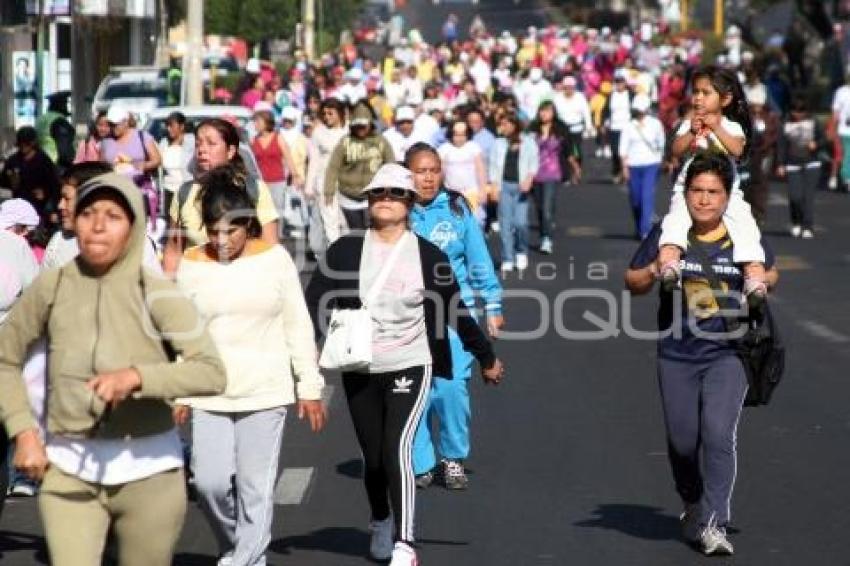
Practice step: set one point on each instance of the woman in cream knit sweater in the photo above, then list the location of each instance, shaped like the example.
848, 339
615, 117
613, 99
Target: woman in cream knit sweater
250, 293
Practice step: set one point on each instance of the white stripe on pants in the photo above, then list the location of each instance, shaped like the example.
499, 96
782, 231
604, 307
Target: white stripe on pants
235, 462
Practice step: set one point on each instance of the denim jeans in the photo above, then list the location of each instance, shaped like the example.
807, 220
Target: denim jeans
513, 221
545, 196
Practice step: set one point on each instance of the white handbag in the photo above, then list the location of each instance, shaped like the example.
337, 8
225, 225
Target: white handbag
348, 344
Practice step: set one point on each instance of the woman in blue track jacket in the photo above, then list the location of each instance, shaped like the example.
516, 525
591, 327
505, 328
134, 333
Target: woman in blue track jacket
443, 218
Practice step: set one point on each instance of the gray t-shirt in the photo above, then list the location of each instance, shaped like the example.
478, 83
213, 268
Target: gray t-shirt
399, 337
18, 268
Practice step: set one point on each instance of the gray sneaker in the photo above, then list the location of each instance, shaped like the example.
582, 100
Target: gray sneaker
453, 474
713, 540
546, 246
425, 480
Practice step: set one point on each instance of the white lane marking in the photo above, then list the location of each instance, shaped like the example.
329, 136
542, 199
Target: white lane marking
822, 331
292, 486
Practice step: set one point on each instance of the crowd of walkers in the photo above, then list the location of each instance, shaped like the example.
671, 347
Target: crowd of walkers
116, 332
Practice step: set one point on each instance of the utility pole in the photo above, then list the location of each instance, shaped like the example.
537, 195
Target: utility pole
194, 52
718, 17
683, 5
309, 15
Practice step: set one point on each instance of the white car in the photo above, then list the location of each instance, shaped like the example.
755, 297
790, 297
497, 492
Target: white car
139, 90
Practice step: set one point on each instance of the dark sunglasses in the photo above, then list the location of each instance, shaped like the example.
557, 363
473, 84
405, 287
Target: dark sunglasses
395, 193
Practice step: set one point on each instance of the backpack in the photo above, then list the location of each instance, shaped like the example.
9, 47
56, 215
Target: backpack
251, 185
760, 349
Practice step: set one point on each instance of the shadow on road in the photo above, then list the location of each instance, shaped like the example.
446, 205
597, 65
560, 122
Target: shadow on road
639, 521
189, 559
335, 540
351, 468
17, 542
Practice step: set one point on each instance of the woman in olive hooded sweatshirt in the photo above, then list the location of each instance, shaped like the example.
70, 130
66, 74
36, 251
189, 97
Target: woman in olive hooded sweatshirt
353, 163
112, 457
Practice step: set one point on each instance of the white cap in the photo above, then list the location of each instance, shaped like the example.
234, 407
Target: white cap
757, 95
354, 74
536, 74
253, 66
641, 103
569, 80
392, 175
18, 211
434, 104
290, 113
261, 105
747, 56
117, 114
405, 113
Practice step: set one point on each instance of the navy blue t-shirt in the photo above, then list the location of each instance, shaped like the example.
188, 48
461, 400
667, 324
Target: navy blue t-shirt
688, 326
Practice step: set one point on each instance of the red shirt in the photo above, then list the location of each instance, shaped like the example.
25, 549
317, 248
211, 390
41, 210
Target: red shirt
269, 160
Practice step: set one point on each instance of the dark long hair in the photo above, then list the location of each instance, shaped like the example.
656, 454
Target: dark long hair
726, 82
457, 201
230, 134
224, 196
559, 128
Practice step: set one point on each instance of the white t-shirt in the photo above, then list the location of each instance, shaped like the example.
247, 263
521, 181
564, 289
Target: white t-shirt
400, 338
620, 105
642, 143
841, 108
18, 268
734, 129
399, 143
459, 165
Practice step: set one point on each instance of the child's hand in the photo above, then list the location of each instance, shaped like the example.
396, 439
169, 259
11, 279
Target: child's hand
697, 125
711, 121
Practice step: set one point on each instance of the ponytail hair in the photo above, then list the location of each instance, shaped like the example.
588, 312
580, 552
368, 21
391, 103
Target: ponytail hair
726, 83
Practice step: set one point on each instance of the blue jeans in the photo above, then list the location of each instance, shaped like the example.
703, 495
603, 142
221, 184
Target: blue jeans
702, 404
513, 221
642, 182
545, 194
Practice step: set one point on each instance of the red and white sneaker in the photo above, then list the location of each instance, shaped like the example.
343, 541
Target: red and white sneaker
404, 555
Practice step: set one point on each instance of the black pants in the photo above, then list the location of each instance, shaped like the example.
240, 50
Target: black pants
385, 409
357, 220
755, 193
616, 162
4, 468
802, 186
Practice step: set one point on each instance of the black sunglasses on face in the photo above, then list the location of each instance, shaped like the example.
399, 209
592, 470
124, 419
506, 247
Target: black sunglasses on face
395, 193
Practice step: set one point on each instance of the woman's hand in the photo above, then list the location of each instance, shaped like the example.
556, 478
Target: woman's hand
30, 455
494, 374
525, 186
114, 387
315, 412
495, 322
181, 414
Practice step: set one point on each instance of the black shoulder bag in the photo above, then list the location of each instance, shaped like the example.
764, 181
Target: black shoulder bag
760, 349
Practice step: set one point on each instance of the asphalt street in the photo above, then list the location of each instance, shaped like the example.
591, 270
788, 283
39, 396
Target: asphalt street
569, 458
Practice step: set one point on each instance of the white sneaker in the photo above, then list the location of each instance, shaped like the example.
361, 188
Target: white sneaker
796, 230
808, 234
546, 246
23, 489
404, 555
713, 540
521, 262
226, 559
381, 545
507, 267
832, 184
494, 227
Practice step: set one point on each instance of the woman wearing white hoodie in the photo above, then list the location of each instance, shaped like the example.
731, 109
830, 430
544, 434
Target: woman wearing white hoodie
325, 138
263, 333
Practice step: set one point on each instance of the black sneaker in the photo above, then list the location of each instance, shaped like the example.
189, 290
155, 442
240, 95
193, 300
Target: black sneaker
452, 474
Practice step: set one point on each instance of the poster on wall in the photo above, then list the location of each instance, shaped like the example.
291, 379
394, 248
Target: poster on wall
25, 88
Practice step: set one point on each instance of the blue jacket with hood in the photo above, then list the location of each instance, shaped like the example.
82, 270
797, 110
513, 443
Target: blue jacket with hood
461, 239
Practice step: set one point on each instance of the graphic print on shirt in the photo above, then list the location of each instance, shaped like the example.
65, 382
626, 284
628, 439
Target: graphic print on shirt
402, 385
442, 235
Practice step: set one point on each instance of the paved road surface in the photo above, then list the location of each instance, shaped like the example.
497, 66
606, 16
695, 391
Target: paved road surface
569, 464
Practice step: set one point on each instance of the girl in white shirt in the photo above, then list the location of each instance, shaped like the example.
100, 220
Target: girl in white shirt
463, 166
263, 333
